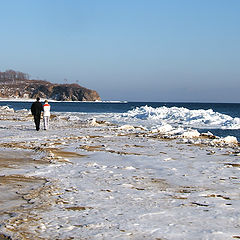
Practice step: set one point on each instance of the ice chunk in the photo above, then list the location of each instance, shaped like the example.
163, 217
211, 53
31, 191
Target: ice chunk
126, 127
73, 118
92, 121
191, 134
165, 128
200, 118
6, 109
230, 139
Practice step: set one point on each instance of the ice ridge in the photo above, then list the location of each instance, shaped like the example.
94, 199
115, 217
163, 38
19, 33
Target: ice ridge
185, 117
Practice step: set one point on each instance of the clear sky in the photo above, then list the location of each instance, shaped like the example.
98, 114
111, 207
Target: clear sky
135, 50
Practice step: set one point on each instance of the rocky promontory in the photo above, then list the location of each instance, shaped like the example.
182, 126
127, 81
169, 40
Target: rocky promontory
18, 85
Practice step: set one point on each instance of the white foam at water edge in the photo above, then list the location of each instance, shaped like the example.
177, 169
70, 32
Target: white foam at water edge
182, 116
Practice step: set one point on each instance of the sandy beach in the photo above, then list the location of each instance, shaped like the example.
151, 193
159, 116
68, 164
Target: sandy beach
87, 178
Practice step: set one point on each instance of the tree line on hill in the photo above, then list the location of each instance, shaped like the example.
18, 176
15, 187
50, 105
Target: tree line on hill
13, 75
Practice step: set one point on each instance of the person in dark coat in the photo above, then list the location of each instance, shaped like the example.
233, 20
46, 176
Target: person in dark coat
36, 110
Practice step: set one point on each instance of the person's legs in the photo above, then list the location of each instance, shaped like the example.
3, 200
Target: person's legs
46, 122
37, 122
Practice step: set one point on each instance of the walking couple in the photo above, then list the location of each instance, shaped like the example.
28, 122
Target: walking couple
36, 110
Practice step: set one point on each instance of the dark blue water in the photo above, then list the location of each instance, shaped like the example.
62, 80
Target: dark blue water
231, 109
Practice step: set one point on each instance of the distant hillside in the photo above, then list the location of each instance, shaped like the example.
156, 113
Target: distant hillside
15, 84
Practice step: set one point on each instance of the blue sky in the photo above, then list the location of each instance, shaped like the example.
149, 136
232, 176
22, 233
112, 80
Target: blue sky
135, 50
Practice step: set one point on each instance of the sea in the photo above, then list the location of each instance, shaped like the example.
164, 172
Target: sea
221, 119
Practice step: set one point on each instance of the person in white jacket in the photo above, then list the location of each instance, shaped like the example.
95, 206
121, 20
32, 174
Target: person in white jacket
46, 114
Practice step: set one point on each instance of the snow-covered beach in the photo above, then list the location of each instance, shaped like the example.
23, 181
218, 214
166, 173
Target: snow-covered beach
90, 178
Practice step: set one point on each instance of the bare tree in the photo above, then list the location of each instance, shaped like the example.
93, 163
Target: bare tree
11, 75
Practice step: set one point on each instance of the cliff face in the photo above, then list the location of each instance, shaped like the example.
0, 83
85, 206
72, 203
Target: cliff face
25, 88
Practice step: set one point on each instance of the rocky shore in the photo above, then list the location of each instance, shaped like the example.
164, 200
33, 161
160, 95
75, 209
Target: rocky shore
18, 85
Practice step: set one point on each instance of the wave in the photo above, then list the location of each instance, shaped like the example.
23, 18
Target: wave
176, 116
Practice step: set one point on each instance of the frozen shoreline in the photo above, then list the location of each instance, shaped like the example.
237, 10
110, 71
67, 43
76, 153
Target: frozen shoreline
105, 181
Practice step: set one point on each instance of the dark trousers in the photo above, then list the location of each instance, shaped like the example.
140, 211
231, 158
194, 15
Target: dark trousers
37, 121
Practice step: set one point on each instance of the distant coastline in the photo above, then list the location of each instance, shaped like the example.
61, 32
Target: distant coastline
52, 100
18, 85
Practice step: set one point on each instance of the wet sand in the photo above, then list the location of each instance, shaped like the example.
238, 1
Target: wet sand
15, 187
21, 195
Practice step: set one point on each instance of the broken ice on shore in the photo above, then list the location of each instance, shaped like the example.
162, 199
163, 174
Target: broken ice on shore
118, 176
